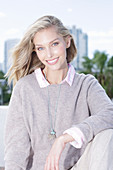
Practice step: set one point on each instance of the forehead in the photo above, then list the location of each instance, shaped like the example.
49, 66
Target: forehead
46, 35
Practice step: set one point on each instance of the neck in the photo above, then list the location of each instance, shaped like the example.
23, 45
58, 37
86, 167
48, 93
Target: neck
55, 76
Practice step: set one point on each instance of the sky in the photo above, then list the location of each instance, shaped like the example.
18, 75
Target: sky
94, 17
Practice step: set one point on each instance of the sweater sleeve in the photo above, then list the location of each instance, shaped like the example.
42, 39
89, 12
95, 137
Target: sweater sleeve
78, 136
17, 140
100, 109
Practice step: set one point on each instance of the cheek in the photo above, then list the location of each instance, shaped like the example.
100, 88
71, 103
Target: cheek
60, 50
40, 56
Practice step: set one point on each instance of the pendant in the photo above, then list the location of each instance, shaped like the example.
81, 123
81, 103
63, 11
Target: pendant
52, 135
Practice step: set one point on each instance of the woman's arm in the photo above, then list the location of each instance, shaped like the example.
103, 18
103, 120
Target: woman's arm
17, 140
52, 161
100, 109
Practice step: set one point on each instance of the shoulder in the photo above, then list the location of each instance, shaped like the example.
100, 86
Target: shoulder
85, 78
26, 82
88, 82
85, 82
28, 79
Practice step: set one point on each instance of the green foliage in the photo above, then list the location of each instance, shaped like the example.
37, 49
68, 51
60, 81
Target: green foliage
100, 60
87, 64
109, 81
102, 68
110, 62
1, 75
6, 91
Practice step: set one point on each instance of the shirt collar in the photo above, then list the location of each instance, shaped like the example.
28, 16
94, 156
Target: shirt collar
44, 83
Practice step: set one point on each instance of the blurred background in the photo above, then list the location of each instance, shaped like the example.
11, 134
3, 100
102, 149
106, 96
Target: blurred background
90, 23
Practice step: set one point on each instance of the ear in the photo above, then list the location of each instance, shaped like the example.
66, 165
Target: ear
68, 41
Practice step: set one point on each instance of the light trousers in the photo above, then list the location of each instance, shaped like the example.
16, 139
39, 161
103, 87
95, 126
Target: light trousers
98, 154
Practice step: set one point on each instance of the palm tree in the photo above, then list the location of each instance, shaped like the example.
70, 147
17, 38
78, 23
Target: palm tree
5, 93
1, 75
100, 60
109, 78
102, 69
110, 62
87, 64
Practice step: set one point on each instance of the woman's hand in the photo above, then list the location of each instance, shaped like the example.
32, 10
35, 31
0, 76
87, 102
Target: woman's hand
52, 161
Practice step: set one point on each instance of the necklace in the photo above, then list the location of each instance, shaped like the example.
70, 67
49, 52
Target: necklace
52, 134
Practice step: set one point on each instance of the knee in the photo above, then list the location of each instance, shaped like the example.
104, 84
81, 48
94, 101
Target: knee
103, 139
105, 134
101, 150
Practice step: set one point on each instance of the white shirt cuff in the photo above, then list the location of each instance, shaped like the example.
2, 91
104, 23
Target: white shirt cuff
77, 134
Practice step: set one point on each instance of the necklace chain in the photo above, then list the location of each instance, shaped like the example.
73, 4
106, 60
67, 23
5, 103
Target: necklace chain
50, 115
52, 134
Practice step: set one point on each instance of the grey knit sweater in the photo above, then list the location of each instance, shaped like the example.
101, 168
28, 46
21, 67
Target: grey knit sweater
84, 104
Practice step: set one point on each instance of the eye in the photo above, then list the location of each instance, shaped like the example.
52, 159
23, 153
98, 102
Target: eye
55, 43
40, 48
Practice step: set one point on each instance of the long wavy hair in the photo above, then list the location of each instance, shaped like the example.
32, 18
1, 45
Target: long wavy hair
25, 59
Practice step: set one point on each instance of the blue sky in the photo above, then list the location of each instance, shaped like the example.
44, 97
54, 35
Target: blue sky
94, 17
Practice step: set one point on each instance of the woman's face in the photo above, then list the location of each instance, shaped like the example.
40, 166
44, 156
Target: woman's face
51, 48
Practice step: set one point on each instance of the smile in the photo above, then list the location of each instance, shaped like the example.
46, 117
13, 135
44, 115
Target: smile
52, 62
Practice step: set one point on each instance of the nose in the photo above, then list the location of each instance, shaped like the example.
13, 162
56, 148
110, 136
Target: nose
49, 52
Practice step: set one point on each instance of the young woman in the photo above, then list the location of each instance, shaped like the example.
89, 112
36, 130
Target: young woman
54, 112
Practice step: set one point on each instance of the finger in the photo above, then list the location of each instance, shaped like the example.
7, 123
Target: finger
57, 164
53, 164
47, 165
57, 168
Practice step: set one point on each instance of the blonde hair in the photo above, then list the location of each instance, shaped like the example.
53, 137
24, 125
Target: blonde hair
25, 60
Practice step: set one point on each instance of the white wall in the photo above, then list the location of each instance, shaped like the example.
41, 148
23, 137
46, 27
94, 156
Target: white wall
3, 113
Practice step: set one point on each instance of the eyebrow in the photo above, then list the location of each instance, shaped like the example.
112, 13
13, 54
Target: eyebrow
49, 42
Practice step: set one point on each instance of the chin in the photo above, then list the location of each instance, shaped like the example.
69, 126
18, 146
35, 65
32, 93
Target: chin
54, 68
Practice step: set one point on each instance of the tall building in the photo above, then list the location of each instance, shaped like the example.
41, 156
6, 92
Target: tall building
81, 41
8, 45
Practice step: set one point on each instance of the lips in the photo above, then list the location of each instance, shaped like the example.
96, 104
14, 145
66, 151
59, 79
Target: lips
53, 61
